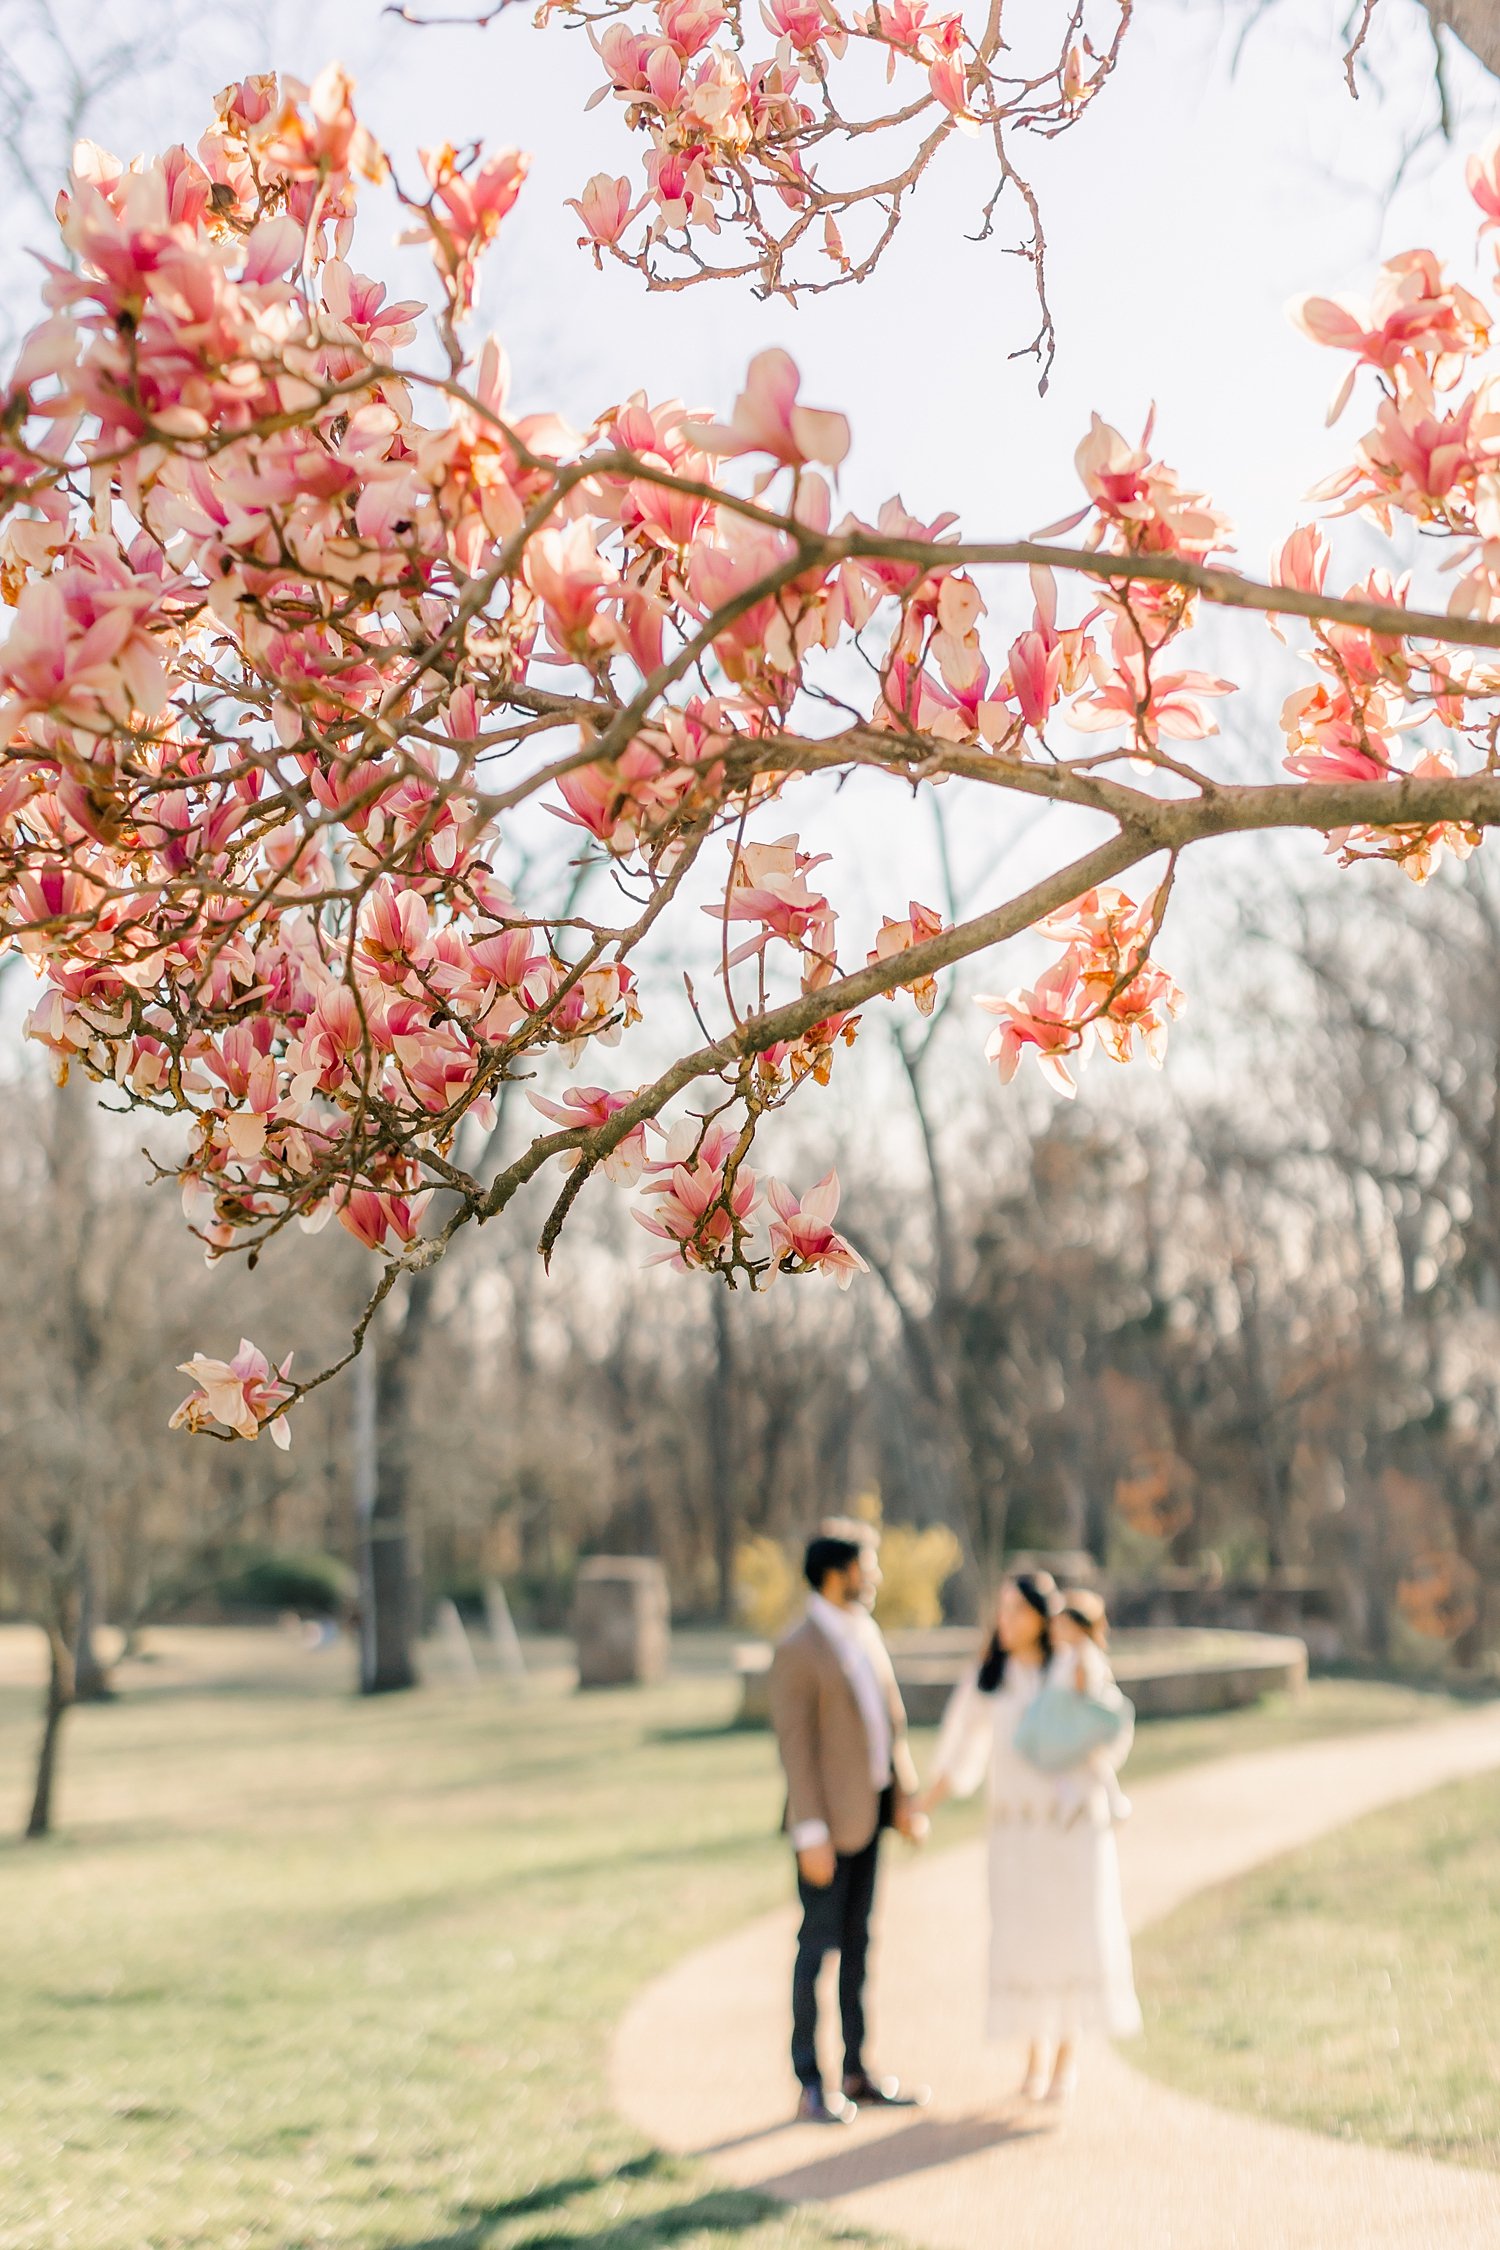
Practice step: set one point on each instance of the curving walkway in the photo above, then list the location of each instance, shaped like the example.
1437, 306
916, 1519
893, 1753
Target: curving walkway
699, 2061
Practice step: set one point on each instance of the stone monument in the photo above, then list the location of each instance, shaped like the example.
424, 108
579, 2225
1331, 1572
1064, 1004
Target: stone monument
621, 1621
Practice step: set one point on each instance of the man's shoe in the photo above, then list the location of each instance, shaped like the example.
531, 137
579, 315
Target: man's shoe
866, 2092
818, 2108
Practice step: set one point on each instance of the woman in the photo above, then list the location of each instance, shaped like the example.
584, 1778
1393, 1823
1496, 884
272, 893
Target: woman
1059, 1950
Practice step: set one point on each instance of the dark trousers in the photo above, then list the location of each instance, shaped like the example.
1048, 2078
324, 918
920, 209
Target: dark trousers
835, 1919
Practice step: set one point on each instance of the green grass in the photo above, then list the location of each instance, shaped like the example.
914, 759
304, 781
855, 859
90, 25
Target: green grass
308, 1971
300, 1970
1350, 1987
1325, 1707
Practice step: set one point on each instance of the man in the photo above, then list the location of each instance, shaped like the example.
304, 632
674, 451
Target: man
841, 1730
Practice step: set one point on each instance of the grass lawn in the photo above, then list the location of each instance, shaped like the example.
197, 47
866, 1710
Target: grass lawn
302, 1970
1350, 1987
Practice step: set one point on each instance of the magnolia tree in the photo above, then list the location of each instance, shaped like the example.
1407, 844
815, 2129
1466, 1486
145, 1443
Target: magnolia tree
304, 621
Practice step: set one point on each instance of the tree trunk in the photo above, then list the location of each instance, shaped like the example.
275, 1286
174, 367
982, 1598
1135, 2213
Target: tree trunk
60, 1693
723, 1455
91, 1682
388, 1591
1475, 22
1469, 1646
385, 1659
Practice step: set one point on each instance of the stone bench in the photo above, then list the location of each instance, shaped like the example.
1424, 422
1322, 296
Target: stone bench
1167, 1671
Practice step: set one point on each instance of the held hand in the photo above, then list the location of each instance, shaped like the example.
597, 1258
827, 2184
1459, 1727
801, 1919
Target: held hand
910, 1820
816, 1865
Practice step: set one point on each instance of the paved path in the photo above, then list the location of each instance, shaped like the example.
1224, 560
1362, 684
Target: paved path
699, 2060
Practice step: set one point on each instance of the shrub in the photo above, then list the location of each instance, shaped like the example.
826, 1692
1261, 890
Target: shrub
767, 1585
915, 1567
314, 1585
464, 1588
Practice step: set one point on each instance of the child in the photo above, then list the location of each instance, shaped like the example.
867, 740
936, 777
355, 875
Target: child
1080, 1636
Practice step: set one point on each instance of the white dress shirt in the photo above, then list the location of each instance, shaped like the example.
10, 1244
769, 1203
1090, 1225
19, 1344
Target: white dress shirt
852, 1632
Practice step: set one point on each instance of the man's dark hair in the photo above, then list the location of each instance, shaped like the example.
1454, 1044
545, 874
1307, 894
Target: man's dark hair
825, 1555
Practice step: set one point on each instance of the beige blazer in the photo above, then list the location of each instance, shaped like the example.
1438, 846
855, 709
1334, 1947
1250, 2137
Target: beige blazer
822, 1740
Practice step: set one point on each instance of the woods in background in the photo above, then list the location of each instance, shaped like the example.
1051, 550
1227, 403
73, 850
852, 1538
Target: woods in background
1244, 1325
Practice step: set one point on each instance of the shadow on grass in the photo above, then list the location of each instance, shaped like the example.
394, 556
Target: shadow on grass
727, 2211
724, 2211
707, 1730
108, 1996
654, 2165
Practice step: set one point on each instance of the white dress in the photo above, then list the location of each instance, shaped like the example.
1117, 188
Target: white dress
1059, 1948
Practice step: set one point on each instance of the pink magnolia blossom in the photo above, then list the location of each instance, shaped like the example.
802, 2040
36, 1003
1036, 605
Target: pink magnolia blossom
1482, 173
806, 31
1413, 308
393, 930
1416, 851
605, 210
1044, 662
1041, 1021
81, 645
802, 1235
865, 581
373, 1216
789, 1061
1139, 1010
769, 886
767, 419
242, 1393
896, 937
315, 130
1144, 508
1035, 671
769, 636
907, 28
1417, 458
498, 979
1330, 737
1414, 312
359, 306
600, 1004
695, 1206
682, 188
434, 1062
1152, 703
334, 1036
1301, 561
1106, 920
574, 584
950, 84
584, 1109
467, 210
690, 25
1105, 978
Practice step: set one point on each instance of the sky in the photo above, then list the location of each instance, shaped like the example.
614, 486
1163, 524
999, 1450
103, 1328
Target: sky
1219, 175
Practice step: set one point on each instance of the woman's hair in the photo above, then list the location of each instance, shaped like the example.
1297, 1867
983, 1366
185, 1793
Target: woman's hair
1086, 1608
1039, 1589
